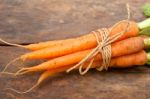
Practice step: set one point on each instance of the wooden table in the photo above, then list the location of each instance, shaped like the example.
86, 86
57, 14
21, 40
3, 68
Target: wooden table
30, 21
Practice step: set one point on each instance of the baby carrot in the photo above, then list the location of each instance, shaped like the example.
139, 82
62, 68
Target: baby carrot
133, 31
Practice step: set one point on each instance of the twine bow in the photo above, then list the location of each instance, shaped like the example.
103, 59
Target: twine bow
103, 47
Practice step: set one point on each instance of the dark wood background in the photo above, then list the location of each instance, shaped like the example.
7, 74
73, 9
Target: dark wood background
30, 21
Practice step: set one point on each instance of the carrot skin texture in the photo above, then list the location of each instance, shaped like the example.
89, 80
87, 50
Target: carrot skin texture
42, 45
82, 43
120, 48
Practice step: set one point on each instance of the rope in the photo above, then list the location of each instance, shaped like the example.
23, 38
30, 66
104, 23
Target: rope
104, 41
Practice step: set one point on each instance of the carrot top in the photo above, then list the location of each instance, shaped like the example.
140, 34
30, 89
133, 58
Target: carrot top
146, 9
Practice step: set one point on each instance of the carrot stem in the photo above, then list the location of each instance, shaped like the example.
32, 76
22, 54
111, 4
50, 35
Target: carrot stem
148, 58
144, 24
145, 31
147, 42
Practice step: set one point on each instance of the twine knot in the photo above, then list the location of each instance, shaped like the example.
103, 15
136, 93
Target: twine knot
104, 41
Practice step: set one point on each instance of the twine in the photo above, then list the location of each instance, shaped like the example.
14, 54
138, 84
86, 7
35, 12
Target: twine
103, 47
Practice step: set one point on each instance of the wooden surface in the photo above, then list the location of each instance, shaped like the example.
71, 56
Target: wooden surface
28, 21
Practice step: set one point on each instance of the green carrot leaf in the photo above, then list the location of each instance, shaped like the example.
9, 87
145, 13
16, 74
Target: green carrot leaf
146, 9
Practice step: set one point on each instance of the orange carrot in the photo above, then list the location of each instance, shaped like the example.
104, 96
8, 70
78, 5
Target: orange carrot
133, 31
124, 47
86, 42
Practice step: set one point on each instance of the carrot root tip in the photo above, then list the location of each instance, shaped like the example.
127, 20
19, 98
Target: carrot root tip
14, 60
11, 44
22, 92
8, 73
22, 71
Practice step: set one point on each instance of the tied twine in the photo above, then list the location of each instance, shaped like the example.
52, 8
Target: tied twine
103, 46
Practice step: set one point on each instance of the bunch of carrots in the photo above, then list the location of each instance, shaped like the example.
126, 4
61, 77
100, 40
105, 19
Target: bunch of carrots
127, 51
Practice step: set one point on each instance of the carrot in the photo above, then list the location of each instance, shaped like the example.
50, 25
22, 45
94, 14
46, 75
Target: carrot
134, 30
124, 47
86, 42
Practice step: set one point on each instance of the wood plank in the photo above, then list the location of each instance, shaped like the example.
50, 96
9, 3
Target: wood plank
24, 21
131, 83
28, 21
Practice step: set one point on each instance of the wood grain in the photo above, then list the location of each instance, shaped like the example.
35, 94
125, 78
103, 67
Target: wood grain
28, 21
